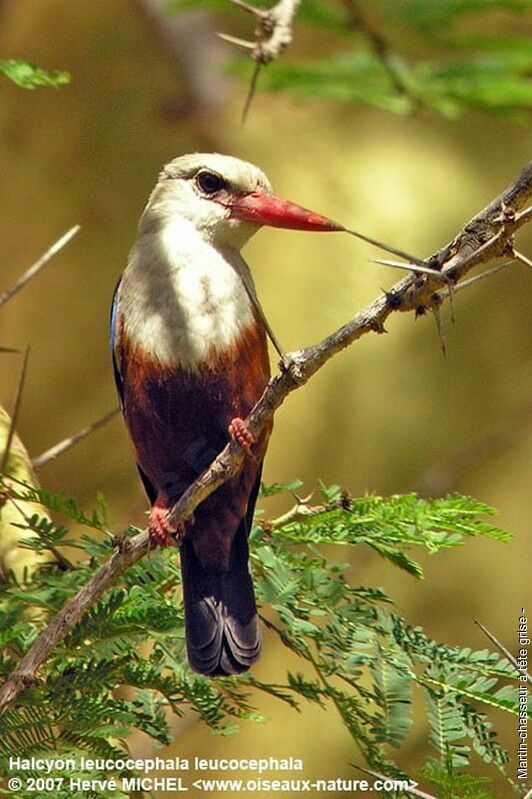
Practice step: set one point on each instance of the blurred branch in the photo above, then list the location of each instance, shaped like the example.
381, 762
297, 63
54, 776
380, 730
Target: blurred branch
488, 235
445, 475
189, 40
38, 265
359, 19
272, 36
67, 443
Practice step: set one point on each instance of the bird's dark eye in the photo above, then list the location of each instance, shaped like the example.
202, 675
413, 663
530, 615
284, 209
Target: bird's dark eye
210, 182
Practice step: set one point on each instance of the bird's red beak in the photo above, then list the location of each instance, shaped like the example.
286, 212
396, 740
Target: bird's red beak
267, 209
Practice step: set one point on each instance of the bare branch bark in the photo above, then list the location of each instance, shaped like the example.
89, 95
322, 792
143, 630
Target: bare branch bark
67, 443
38, 265
488, 235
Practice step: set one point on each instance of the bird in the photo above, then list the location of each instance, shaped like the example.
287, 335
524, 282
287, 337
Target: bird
190, 356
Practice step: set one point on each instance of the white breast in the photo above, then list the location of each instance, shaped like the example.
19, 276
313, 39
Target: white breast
181, 299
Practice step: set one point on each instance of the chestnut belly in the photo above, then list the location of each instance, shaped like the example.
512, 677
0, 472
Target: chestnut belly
178, 421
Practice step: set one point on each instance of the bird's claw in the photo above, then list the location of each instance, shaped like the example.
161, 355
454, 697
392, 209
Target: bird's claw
240, 433
161, 534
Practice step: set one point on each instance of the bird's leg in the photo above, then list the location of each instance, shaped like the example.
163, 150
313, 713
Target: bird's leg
161, 534
239, 432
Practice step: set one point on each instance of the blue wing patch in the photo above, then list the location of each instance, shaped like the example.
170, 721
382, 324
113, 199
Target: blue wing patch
116, 366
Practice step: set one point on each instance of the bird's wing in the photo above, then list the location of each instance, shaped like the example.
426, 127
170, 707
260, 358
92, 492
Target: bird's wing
114, 352
248, 519
119, 381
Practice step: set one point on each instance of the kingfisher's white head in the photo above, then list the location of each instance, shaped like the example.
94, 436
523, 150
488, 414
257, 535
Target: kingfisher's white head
226, 200
187, 293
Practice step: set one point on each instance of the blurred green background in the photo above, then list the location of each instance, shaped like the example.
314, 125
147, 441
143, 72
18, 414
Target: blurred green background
388, 416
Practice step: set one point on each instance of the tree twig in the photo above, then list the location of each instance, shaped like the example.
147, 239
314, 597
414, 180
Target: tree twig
358, 19
16, 410
272, 35
188, 39
303, 510
413, 293
502, 649
38, 265
67, 443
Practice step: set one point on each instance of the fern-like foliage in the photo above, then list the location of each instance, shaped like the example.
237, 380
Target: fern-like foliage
359, 658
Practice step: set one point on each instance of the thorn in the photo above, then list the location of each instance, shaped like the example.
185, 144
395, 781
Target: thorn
522, 258
62, 446
437, 316
121, 542
345, 500
466, 283
387, 247
258, 12
377, 326
16, 411
302, 500
251, 92
424, 270
9, 349
450, 294
38, 265
393, 300
236, 41
524, 214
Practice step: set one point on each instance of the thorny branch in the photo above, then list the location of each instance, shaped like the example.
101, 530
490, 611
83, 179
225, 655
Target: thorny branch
272, 35
274, 29
489, 235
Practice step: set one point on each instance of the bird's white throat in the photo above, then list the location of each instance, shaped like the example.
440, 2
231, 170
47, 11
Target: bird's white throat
181, 299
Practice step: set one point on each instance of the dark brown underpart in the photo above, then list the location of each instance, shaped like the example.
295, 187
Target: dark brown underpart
179, 421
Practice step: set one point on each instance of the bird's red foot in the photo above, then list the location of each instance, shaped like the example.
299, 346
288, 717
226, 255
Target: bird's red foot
159, 530
239, 433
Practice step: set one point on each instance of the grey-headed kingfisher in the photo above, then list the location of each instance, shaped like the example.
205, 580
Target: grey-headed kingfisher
189, 344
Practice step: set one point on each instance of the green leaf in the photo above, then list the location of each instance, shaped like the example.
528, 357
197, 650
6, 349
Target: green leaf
29, 76
279, 488
393, 695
